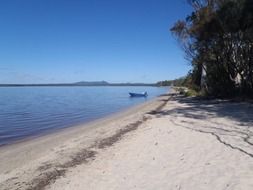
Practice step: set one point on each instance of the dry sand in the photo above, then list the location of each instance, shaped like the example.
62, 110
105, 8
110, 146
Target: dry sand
182, 143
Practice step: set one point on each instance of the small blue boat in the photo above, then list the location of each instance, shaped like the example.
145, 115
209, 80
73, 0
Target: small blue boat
144, 94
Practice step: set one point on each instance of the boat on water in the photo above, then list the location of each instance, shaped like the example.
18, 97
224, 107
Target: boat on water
143, 94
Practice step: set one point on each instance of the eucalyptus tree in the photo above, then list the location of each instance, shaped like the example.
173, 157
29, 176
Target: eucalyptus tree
217, 39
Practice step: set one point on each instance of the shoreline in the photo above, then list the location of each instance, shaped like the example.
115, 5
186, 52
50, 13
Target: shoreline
71, 127
83, 126
60, 146
171, 142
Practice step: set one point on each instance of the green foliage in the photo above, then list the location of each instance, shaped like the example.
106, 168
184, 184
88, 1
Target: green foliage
218, 40
188, 91
191, 93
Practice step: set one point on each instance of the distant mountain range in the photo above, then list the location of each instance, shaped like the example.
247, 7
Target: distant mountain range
82, 83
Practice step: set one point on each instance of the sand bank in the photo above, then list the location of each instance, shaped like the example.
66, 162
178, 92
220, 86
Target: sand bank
168, 143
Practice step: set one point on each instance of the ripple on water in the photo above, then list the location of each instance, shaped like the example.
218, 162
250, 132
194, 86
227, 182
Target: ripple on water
28, 111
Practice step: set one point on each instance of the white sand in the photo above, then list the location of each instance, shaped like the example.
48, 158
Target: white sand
186, 145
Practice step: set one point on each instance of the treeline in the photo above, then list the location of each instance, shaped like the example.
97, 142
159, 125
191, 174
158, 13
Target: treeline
218, 40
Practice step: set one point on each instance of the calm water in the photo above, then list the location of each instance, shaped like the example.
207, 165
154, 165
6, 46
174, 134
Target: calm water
30, 111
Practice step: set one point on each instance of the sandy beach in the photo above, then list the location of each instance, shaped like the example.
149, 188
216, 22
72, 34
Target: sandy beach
171, 142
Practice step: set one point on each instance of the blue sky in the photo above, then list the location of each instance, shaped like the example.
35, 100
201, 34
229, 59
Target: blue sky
52, 41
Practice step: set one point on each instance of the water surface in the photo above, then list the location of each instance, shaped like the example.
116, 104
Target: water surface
32, 111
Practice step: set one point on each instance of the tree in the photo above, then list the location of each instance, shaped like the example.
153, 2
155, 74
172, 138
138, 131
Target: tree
217, 39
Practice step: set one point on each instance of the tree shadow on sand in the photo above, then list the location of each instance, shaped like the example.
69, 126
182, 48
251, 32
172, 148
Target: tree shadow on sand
231, 123
239, 111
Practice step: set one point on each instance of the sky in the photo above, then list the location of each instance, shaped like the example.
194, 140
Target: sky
59, 41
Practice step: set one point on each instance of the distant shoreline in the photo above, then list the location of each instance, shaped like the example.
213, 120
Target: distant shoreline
73, 85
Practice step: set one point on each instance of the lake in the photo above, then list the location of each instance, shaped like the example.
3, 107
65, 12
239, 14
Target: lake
32, 111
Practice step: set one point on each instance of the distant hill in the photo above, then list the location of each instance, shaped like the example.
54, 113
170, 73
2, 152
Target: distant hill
82, 83
91, 83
